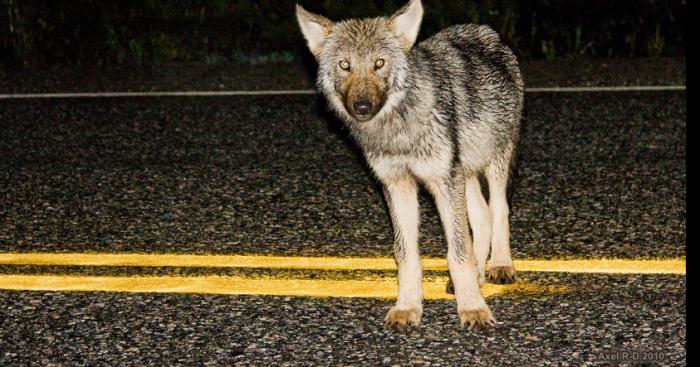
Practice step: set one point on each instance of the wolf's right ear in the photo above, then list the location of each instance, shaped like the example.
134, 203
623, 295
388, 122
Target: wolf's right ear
405, 23
315, 29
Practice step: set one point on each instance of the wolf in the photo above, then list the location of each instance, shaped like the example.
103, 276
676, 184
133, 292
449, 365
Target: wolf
442, 113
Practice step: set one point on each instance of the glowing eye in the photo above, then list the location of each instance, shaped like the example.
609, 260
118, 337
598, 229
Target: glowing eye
345, 65
379, 63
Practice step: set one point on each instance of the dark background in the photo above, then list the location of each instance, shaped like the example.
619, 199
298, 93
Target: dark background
40, 34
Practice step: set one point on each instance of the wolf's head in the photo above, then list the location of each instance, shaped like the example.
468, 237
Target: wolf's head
362, 62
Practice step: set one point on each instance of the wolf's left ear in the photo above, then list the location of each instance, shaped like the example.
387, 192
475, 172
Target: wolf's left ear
314, 27
405, 23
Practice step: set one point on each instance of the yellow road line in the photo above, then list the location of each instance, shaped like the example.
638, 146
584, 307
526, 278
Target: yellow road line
206, 261
619, 266
605, 266
243, 286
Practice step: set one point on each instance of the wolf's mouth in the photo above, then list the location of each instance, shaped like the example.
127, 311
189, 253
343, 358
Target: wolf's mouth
363, 118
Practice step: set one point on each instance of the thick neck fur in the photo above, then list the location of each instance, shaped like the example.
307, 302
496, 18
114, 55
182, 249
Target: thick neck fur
392, 131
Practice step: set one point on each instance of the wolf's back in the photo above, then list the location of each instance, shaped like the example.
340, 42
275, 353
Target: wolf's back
476, 90
475, 54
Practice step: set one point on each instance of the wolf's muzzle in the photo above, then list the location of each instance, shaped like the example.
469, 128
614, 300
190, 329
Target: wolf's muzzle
362, 110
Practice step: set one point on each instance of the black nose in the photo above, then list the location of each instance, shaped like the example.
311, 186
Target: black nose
363, 108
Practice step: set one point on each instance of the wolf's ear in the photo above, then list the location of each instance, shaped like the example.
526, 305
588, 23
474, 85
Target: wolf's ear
405, 23
314, 27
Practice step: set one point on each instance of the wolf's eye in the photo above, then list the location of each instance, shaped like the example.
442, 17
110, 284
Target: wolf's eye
379, 63
345, 65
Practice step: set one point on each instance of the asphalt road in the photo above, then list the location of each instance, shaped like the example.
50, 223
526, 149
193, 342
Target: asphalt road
605, 315
598, 175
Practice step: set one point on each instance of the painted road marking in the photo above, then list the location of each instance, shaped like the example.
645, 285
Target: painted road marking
192, 93
238, 93
616, 88
246, 286
610, 266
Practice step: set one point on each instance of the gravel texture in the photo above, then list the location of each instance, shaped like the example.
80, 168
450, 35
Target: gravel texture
598, 174
253, 273
604, 314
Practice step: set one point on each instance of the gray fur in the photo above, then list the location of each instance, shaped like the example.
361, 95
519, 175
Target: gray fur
451, 109
471, 76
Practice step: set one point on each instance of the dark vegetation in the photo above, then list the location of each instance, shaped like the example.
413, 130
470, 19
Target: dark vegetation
87, 33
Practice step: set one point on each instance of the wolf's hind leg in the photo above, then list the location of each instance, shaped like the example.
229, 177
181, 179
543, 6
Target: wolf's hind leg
473, 311
480, 221
501, 270
402, 198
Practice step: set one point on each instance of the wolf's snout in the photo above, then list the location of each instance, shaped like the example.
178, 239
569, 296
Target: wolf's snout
362, 108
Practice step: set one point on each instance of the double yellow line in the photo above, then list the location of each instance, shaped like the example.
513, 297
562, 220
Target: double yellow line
382, 288
610, 266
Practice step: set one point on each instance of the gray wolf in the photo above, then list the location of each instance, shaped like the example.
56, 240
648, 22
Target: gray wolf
440, 113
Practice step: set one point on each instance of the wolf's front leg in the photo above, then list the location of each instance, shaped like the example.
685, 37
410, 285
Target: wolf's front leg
473, 311
402, 197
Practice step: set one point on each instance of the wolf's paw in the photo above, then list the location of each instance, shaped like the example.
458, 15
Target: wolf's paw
402, 318
476, 319
502, 275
